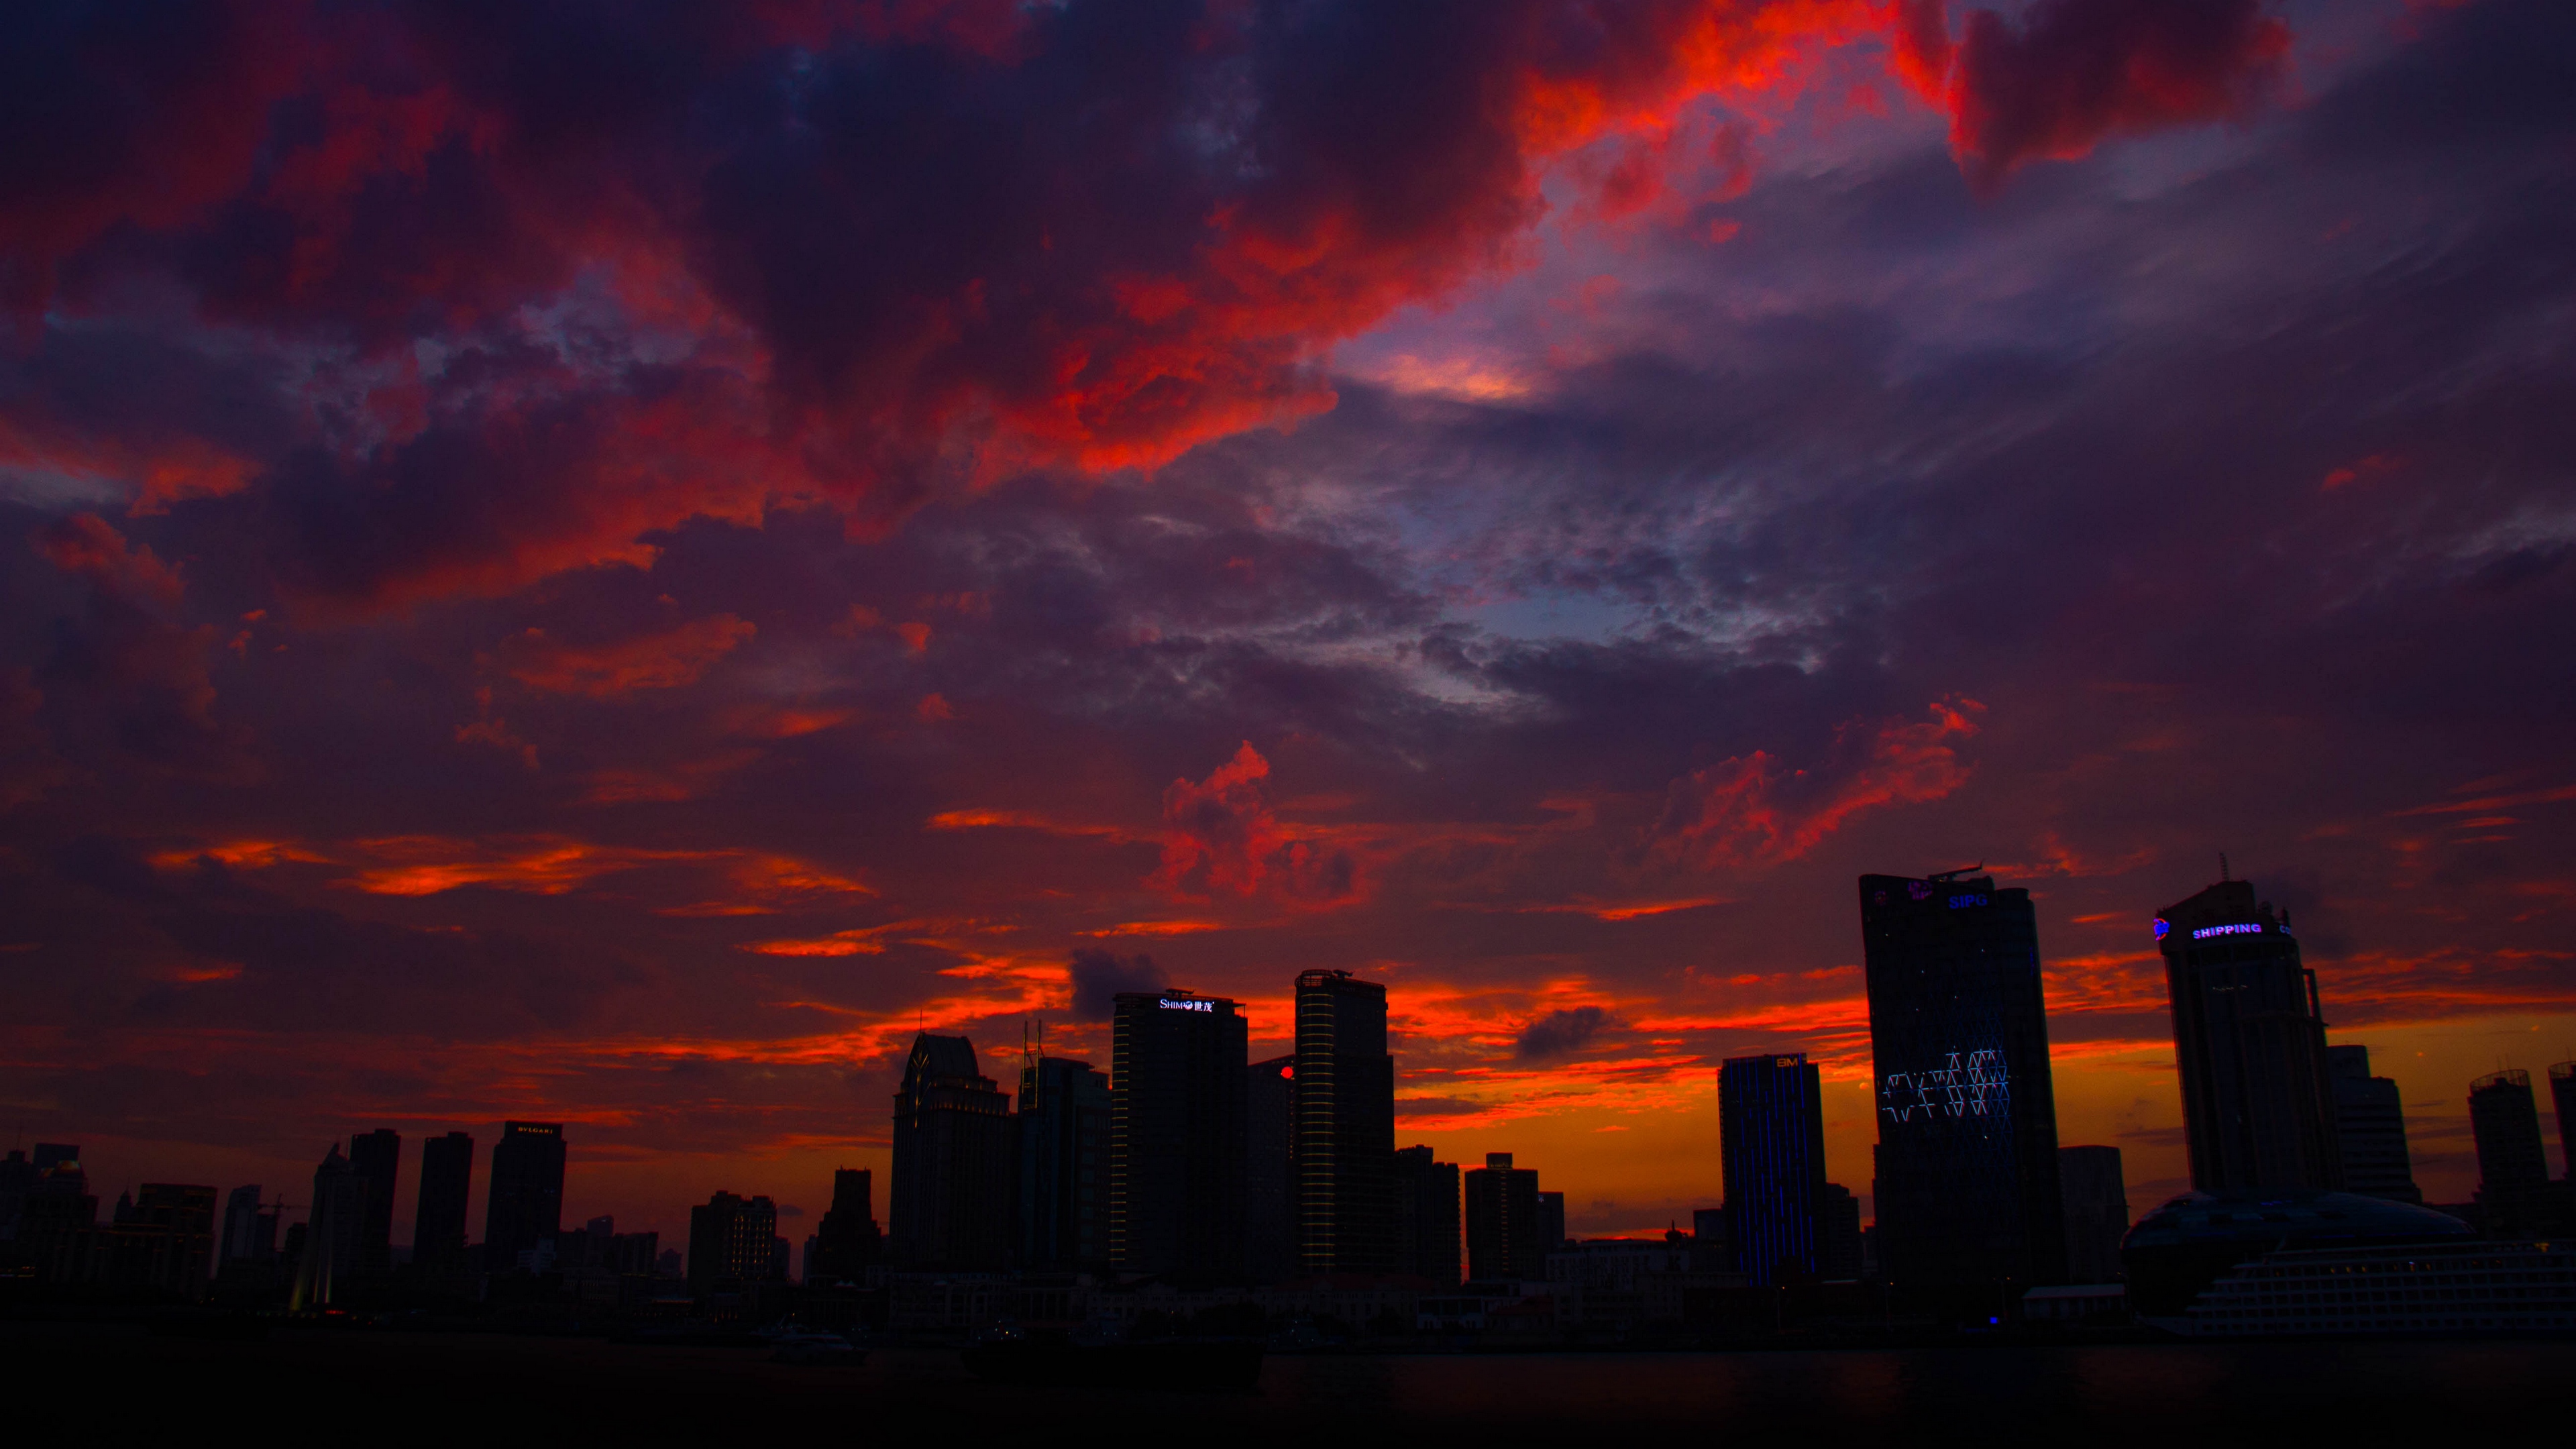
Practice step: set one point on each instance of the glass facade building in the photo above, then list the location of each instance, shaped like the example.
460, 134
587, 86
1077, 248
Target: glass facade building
2370, 1122
1176, 1128
956, 1151
1344, 1142
525, 1206
1771, 1133
2250, 1046
1967, 1189
1064, 1166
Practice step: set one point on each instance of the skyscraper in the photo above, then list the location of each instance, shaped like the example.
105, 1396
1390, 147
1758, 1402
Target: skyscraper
1967, 1113
1426, 1216
1064, 1166
525, 1207
2562, 1101
2513, 1168
334, 1235
845, 1243
1269, 1198
2370, 1123
1551, 1223
1771, 1136
438, 1224
2097, 1211
376, 1157
2250, 1046
732, 1239
1345, 1126
250, 1234
1176, 1135
956, 1153
1504, 1234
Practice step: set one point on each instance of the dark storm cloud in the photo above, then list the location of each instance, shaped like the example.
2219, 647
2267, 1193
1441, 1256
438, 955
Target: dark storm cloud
1567, 1029
1099, 976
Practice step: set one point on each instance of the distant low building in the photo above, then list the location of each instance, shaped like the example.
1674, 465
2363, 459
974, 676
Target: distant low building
2097, 1212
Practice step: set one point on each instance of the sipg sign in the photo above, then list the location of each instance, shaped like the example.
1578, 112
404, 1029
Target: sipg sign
1168, 1004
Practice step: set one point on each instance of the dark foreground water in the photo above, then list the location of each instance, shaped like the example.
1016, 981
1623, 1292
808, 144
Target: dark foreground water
464, 1390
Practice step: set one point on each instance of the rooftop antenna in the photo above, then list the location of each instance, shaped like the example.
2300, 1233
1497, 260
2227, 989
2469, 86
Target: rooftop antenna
2222, 867
1955, 874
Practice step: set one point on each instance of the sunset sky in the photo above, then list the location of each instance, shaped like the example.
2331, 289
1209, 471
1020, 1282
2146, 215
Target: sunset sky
610, 562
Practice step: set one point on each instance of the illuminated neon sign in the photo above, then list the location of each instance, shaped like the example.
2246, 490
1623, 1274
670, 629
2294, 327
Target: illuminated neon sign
1978, 1088
2241, 928
2162, 926
1168, 1004
1961, 903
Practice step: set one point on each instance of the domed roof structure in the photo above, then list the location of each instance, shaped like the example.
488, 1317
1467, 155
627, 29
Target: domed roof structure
2184, 1246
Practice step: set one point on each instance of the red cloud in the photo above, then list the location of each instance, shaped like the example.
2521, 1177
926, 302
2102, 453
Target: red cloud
655, 661
862, 299
2076, 72
1749, 810
1219, 834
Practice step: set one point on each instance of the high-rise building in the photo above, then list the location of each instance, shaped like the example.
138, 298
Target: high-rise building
1771, 1135
1064, 1166
2513, 1168
377, 1159
2250, 1046
2562, 1101
1269, 1195
1967, 1114
1176, 1135
1838, 1255
250, 1233
438, 1223
733, 1239
1505, 1237
1426, 1216
1344, 1144
334, 1235
1551, 1223
525, 1207
1710, 1250
2097, 1211
956, 1155
2370, 1122
845, 1243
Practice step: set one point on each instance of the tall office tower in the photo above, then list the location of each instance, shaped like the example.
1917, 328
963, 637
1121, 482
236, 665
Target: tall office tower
1344, 1144
2250, 1045
2513, 1168
1269, 1197
956, 1155
845, 1243
1426, 1216
1504, 1231
1838, 1234
1771, 1138
377, 1159
2562, 1101
732, 1239
2097, 1211
1176, 1128
334, 1235
525, 1207
1551, 1223
2370, 1122
250, 1235
1064, 1166
438, 1224
1967, 1114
